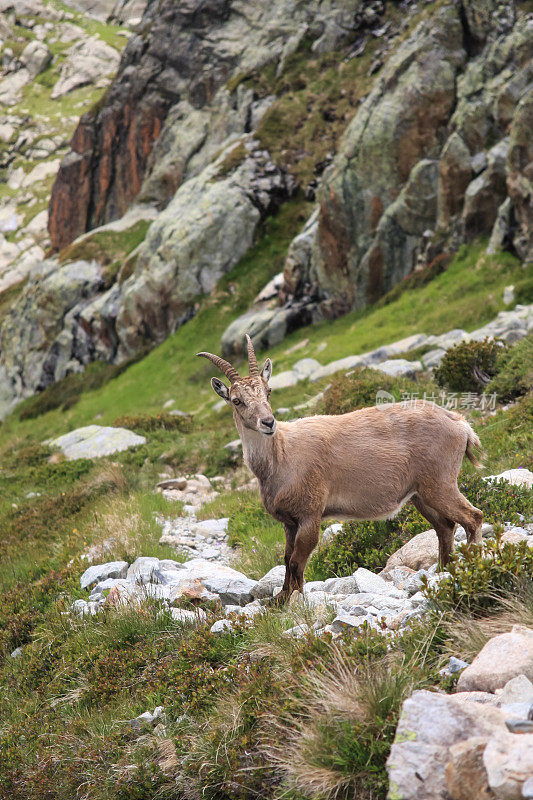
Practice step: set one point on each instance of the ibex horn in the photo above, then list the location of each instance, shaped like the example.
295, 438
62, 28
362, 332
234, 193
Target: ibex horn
252, 361
223, 365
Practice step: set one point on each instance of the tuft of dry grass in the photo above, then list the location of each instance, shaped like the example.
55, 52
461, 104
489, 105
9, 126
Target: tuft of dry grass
467, 635
338, 744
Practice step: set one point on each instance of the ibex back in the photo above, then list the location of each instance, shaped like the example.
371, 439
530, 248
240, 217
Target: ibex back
361, 465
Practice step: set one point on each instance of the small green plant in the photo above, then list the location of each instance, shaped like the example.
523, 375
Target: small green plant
514, 371
480, 575
469, 366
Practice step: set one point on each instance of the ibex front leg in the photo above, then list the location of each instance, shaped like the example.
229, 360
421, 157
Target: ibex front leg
305, 542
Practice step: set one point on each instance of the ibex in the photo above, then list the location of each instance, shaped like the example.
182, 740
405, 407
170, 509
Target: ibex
362, 465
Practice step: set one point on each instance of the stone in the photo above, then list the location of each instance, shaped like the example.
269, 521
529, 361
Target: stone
508, 760
147, 718
211, 527
420, 552
430, 725
516, 477
348, 585
516, 690
344, 622
367, 581
466, 776
36, 57
86, 62
95, 441
265, 586
186, 616
330, 532
455, 173
527, 789
305, 367
222, 626
503, 657
399, 367
100, 572
146, 570
283, 380
40, 173
229, 584
297, 632
433, 358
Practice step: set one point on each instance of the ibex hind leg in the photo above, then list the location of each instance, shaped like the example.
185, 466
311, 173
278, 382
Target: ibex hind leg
444, 528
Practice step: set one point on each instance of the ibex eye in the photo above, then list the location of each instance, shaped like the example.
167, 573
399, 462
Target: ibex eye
236, 401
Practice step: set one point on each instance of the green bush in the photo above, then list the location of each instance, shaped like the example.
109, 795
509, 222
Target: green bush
469, 365
348, 392
500, 501
514, 371
154, 422
481, 575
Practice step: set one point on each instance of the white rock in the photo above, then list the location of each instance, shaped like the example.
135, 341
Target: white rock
305, 367
230, 585
297, 632
265, 586
314, 586
211, 527
367, 581
430, 724
433, 358
348, 585
517, 690
42, 171
516, 477
330, 532
283, 380
185, 615
86, 62
508, 760
399, 367
222, 626
36, 56
145, 570
349, 622
100, 572
95, 441
509, 295
503, 657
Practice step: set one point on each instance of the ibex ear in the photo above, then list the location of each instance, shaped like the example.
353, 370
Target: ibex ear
220, 388
266, 372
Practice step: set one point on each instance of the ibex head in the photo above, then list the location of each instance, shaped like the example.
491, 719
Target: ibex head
249, 397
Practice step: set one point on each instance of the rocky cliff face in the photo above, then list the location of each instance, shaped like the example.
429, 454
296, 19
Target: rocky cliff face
436, 156
183, 54
191, 141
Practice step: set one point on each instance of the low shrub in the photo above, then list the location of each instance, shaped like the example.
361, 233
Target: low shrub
348, 392
481, 575
153, 422
469, 366
514, 371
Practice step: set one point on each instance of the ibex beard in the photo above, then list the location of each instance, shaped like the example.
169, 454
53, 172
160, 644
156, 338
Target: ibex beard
363, 465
